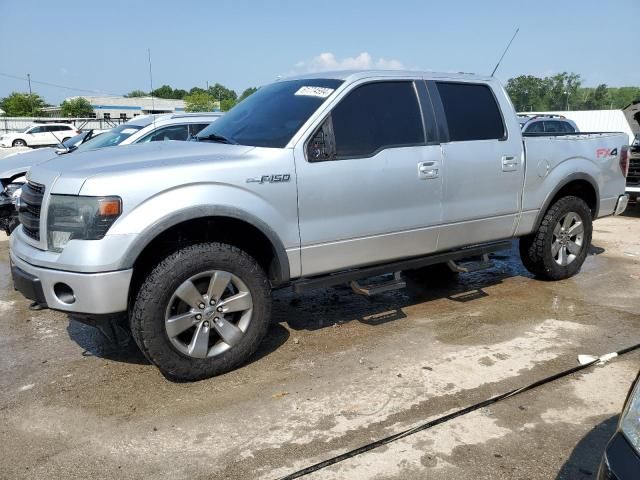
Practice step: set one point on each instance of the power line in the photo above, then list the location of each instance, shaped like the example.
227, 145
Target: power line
17, 77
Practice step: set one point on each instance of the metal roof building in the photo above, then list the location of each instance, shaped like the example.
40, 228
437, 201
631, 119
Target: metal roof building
112, 107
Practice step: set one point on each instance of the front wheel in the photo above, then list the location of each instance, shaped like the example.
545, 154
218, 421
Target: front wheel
559, 247
19, 143
202, 311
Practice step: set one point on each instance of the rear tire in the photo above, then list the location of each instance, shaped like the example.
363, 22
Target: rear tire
19, 143
559, 247
212, 342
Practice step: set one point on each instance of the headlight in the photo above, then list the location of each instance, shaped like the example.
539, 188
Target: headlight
72, 217
630, 423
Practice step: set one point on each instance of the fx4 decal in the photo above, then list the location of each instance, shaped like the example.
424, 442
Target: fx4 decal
275, 178
606, 152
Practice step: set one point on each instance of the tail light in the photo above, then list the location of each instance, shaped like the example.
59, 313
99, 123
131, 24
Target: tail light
624, 160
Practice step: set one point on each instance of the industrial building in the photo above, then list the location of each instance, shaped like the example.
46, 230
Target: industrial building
113, 107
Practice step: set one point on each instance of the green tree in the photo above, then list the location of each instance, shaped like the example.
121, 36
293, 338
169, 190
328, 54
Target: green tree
76, 107
196, 90
220, 92
249, 91
200, 102
165, 91
19, 104
596, 98
527, 92
227, 104
562, 91
136, 94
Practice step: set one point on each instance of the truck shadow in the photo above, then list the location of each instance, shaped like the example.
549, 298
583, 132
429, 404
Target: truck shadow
585, 458
338, 305
95, 344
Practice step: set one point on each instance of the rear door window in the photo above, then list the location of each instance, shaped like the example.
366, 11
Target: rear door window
172, 132
195, 128
535, 127
471, 111
376, 116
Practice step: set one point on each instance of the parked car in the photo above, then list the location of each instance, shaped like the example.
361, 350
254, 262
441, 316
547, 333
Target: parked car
309, 182
547, 124
151, 128
621, 460
39, 135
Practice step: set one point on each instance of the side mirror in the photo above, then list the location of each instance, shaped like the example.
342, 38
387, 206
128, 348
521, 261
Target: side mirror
321, 146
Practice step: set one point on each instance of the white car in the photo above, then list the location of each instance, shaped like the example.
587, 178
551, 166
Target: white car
40, 135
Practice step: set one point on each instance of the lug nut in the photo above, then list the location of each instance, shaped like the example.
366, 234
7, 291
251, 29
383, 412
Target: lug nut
198, 317
201, 305
220, 309
212, 302
206, 324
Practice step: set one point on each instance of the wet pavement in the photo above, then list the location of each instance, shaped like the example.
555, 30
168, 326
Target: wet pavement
336, 372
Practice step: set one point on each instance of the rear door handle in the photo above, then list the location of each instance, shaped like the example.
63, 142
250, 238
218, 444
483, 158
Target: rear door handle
509, 163
428, 170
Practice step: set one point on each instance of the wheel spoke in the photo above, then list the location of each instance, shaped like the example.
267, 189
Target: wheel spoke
237, 303
563, 255
555, 248
568, 220
557, 228
230, 334
199, 346
576, 229
179, 323
573, 248
218, 284
189, 294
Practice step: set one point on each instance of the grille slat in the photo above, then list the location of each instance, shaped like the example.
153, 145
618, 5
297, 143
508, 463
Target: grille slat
29, 214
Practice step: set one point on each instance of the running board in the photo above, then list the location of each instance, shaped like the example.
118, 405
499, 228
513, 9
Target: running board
323, 281
373, 289
469, 267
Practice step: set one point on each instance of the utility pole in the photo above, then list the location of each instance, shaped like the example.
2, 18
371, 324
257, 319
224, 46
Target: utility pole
30, 95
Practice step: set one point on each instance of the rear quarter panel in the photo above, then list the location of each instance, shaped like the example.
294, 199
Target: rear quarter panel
553, 160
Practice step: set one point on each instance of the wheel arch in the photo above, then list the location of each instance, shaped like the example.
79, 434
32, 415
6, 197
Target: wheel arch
185, 227
578, 184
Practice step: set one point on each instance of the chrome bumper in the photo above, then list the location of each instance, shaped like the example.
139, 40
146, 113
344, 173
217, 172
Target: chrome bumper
92, 293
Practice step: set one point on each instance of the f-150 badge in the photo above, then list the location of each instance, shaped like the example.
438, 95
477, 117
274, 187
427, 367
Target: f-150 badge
276, 178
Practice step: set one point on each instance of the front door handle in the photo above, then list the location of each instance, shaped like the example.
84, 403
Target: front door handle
428, 170
509, 163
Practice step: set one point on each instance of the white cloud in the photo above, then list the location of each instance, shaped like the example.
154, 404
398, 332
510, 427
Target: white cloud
363, 61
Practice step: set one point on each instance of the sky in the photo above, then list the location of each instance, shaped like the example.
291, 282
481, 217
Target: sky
101, 47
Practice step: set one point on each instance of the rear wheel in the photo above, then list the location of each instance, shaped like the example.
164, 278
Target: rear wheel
202, 311
559, 247
18, 142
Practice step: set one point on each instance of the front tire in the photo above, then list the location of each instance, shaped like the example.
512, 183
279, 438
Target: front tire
19, 143
559, 247
202, 311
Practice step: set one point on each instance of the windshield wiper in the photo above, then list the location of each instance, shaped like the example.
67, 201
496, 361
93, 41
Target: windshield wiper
214, 137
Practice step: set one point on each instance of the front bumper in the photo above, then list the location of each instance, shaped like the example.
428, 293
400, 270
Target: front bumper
621, 204
92, 293
621, 461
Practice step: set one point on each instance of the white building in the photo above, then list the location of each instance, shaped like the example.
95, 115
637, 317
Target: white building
112, 107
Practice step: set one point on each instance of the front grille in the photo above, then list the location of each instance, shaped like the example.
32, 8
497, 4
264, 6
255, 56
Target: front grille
633, 177
29, 214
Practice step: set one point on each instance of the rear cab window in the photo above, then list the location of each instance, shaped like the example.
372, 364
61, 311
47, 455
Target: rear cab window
471, 111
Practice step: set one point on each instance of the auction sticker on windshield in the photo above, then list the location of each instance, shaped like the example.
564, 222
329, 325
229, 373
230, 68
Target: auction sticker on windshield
321, 92
129, 131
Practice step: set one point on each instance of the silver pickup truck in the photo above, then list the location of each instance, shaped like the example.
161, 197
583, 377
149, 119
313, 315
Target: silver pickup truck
311, 181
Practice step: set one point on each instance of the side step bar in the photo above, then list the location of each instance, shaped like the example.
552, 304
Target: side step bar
368, 290
469, 267
305, 284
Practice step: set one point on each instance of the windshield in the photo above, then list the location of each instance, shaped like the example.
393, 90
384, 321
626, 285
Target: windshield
113, 137
272, 115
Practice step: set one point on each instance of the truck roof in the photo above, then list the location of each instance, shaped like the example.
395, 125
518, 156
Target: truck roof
352, 75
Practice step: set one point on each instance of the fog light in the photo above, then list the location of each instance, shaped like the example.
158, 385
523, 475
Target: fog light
64, 293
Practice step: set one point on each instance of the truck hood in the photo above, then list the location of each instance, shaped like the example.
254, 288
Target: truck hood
70, 172
19, 163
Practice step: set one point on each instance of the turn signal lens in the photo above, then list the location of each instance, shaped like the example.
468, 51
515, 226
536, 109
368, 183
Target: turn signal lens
109, 207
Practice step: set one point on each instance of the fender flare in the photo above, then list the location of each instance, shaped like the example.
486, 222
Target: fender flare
568, 179
203, 211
